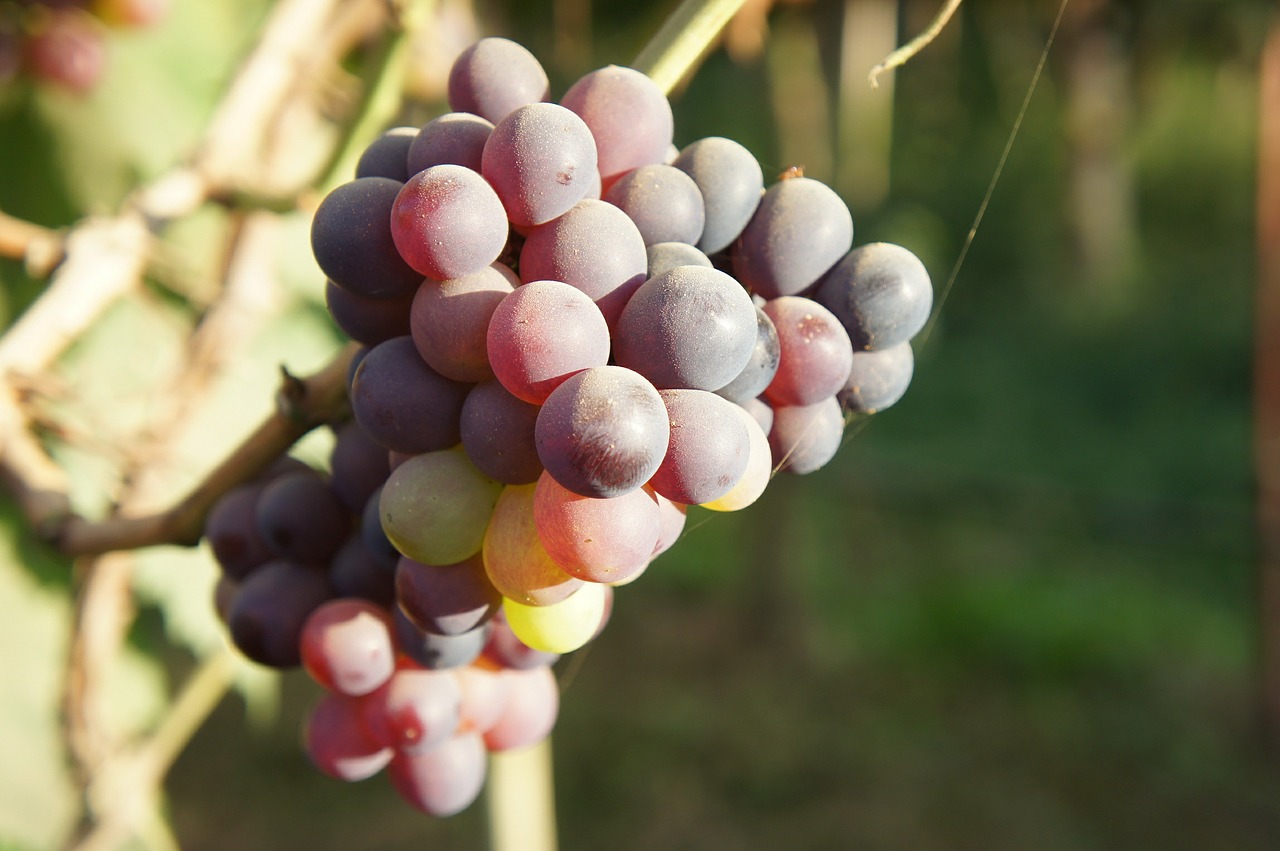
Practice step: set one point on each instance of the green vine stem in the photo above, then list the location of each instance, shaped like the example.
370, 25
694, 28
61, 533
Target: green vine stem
684, 38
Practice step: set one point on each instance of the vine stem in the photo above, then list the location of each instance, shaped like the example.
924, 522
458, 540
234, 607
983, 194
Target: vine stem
684, 38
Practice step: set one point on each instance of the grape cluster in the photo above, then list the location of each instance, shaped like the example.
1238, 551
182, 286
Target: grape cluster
571, 331
63, 42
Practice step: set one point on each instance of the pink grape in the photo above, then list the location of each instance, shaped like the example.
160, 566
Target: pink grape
449, 321
799, 231
347, 647
805, 437
629, 117
541, 160
445, 780
598, 540
337, 742
708, 450
541, 334
455, 138
447, 222
415, 710
497, 433
495, 76
533, 701
815, 354
515, 559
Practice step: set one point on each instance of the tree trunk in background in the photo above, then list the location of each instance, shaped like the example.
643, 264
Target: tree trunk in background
1267, 385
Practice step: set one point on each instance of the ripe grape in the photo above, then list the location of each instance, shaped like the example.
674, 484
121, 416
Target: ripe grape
414, 709
300, 518
541, 160
386, 155
494, 77
455, 138
368, 319
756, 477
881, 294
403, 403
665, 256
444, 780
497, 433
336, 741
761, 367
434, 651
446, 599
799, 231
816, 354
603, 432
449, 321
270, 606
805, 437
629, 117
533, 701
447, 222
351, 240
663, 201
708, 450
730, 182
878, 379
598, 540
346, 646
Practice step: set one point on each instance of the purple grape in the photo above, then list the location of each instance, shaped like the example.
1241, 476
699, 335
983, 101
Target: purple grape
881, 294
629, 116
447, 222
541, 160
446, 599
358, 466
434, 651
356, 572
449, 321
665, 256
455, 138
445, 780
495, 76
730, 181
404, 404
337, 742
805, 437
366, 319
878, 378
352, 243
386, 155
594, 247
301, 519
708, 450
270, 608
691, 328
232, 532
760, 368
603, 432
663, 201
799, 231
497, 432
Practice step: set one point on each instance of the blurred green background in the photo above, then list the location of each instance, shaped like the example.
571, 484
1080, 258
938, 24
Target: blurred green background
1016, 612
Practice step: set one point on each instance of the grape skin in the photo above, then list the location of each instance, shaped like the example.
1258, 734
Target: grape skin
730, 181
629, 116
449, 321
386, 155
446, 599
494, 77
447, 222
815, 352
663, 201
352, 243
455, 138
880, 292
403, 403
805, 437
878, 379
708, 451
541, 160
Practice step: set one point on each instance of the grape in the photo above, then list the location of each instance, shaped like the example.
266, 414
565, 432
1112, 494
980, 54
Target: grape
878, 379
358, 466
507, 651
730, 181
446, 779
816, 355
665, 256
806, 437
68, 50
366, 319
450, 319
435, 507
484, 696
514, 558
232, 531
603, 432
798, 232
434, 651
541, 160
374, 539
266, 617
495, 76
446, 599
689, 328
756, 477
594, 247
386, 155
663, 201
300, 518
414, 710
541, 334
497, 433
671, 519
337, 742
629, 117
404, 404
708, 449
447, 222
760, 411
352, 243
881, 294
761, 367
346, 646
533, 701
356, 572
560, 627
598, 540
456, 138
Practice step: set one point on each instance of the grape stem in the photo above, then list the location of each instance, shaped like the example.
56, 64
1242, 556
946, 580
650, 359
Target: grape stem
684, 38
302, 404
903, 54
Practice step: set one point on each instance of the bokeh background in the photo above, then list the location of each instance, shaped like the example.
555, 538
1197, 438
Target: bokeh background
1017, 611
